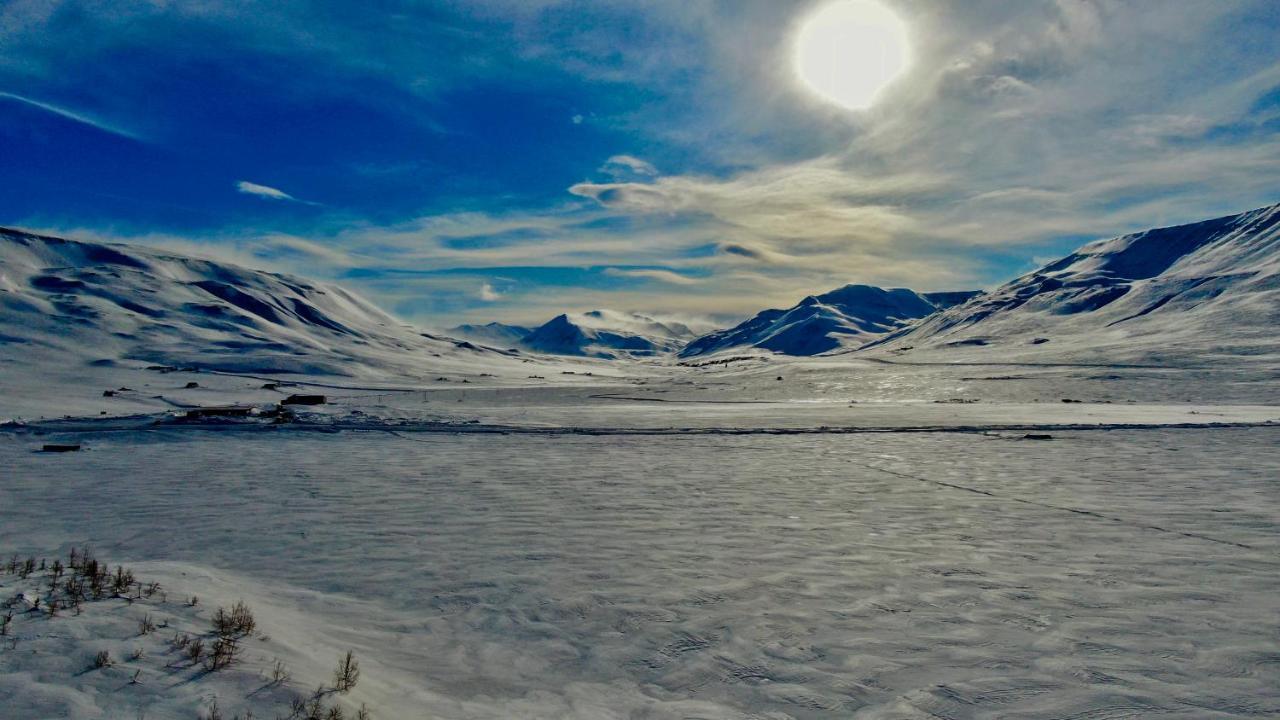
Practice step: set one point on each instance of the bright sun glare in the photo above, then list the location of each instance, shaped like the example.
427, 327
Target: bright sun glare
849, 50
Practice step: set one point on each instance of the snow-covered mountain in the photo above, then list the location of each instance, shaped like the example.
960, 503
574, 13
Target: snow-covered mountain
494, 333
609, 334
1201, 291
104, 304
847, 316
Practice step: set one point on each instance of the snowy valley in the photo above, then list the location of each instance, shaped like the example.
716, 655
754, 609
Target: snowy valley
1053, 499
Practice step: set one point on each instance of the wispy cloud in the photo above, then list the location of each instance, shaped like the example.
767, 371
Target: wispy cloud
269, 193
488, 293
74, 116
666, 276
622, 166
263, 191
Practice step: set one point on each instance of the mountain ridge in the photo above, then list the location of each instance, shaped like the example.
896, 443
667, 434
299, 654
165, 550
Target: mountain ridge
822, 323
110, 303
1210, 287
608, 334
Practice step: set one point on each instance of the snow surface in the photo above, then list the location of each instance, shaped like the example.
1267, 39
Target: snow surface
796, 576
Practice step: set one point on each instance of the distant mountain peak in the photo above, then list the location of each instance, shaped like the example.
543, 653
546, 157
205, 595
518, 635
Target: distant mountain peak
844, 317
608, 334
493, 333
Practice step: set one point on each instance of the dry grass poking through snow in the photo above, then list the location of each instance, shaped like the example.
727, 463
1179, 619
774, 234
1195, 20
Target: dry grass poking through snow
78, 637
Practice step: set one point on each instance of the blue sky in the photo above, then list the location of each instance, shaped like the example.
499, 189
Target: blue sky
509, 159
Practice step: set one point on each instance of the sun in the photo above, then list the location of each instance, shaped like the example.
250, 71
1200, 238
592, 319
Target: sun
849, 50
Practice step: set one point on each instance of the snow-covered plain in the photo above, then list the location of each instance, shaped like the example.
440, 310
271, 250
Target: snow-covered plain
1100, 574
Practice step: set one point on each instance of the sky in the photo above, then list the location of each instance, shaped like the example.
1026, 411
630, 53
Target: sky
475, 160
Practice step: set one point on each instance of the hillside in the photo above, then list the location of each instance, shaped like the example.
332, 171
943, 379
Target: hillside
97, 304
494, 333
1191, 293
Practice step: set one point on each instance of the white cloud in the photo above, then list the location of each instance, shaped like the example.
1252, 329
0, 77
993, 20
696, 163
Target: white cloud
628, 165
263, 191
660, 275
488, 294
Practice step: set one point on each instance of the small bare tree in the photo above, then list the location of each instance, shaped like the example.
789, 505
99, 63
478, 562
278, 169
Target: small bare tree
347, 674
224, 652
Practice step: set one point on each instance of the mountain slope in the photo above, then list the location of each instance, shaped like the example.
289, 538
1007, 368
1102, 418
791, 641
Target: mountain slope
1203, 290
494, 333
608, 334
104, 304
820, 323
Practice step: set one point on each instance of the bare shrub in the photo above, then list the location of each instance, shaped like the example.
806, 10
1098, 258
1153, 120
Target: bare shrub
347, 674
74, 588
214, 712
195, 650
122, 580
225, 650
102, 660
234, 623
315, 705
279, 673
146, 625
